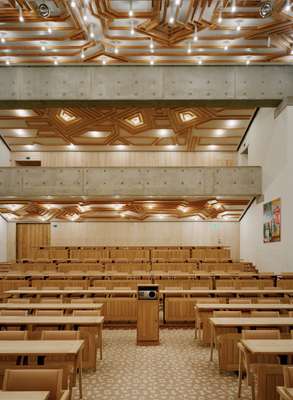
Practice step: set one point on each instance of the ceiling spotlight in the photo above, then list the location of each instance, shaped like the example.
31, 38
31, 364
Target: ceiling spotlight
189, 49
73, 3
71, 145
171, 20
226, 47
238, 28
269, 41
177, 2
44, 10
85, 17
287, 6
291, 50
56, 61
43, 47
220, 19
195, 37
152, 61
3, 40
7, 62
49, 30
104, 61
82, 54
116, 50
266, 9
130, 13
199, 61
248, 61
132, 28
233, 8
21, 19
92, 34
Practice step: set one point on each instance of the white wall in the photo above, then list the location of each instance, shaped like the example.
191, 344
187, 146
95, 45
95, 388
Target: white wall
4, 155
270, 144
3, 239
146, 234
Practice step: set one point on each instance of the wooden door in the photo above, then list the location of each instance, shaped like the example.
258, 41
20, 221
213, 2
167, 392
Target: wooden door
29, 237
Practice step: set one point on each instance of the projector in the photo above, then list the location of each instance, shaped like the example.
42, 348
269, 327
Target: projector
47, 8
147, 294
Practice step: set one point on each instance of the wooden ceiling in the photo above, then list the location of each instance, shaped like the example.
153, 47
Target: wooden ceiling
145, 31
195, 209
126, 128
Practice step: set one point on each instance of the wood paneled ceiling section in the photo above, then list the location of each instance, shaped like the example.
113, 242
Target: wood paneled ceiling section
128, 128
197, 209
145, 31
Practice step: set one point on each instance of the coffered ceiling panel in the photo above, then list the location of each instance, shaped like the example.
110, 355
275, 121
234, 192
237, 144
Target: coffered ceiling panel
192, 209
125, 128
145, 31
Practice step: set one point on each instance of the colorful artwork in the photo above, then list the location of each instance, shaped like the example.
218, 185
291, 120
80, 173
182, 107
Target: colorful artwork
272, 221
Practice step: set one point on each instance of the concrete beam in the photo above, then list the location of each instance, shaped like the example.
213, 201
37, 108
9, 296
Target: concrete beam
261, 84
38, 183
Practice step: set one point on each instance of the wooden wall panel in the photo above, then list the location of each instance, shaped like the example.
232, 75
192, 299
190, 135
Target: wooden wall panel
147, 234
29, 237
129, 159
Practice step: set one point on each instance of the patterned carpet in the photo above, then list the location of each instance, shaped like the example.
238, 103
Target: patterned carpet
177, 369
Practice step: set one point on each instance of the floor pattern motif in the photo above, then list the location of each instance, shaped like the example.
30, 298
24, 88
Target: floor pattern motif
178, 368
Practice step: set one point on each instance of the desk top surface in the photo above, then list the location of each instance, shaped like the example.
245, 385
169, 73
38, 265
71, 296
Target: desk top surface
52, 347
12, 395
228, 291
50, 320
51, 306
215, 306
73, 291
251, 321
269, 346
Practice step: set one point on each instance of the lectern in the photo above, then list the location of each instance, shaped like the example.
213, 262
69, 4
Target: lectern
148, 315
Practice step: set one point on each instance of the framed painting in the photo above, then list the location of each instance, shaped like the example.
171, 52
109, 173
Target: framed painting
272, 221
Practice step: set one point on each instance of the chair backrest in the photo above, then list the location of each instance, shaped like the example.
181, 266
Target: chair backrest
269, 301
50, 288
227, 314
48, 313
288, 376
86, 313
240, 301
82, 301
73, 288
34, 379
26, 288
173, 288
60, 335
14, 313
268, 377
50, 300
260, 334
13, 335
208, 300
18, 301
265, 314
123, 288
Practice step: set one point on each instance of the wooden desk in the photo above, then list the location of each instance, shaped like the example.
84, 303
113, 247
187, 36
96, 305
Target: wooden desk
269, 346
51, 306
88, 327
68, 292
285, 393
218, 323
34, 348
204, 311
9, 395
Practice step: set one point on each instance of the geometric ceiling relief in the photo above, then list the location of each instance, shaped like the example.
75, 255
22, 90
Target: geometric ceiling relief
124, 128
145, 32
181, 209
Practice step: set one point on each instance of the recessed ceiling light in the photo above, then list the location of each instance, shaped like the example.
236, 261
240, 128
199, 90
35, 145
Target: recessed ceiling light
248, 61
91, 30
150, 206
171, 20
66, 116
73, 4
161, 216
122, 215
30, 146
7, 62
117, 206
82, 54
151, 62
199, 61
116, 50
3, 40
226, 46
104, 61
287, 7
21, 19
182, 209
130, 13
187, 116
49, 30
197, 218
233, 8
56, 61
135, 120
71, 146
43, 47
220, 19
189, 49
238, 28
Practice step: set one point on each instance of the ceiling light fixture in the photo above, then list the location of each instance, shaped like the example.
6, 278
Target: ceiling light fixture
233, 8
171, 20
71, 146
152, 46
199, 61
73, 4
3, 40
130, 12
287, 7
220, 19
43, 47
49, 30
104, 61
21, 19
56, 62
238, 28
248, 61
7, 62
152, 61
266, 9
82, 54
177, 2
91, 29
269, 41
132, 28
116, 50
226, 46
195, 37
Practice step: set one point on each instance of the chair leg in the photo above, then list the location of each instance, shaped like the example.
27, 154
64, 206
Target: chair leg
239, 376
252, 388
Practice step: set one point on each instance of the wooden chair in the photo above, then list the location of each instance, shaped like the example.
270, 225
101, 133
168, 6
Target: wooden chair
14, 313
268, 377
227, 314
268, 301
10, 361
18, 301
288, 375
264, 314
50, 300
60, 335
228, 354
36, 380
82, 301
50, 288
49, 313
248, 362
73, 288
240, 301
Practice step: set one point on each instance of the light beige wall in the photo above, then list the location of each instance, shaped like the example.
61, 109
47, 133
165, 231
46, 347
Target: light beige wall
129, 159
146, 234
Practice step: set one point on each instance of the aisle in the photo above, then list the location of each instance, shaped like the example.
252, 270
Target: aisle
177, 369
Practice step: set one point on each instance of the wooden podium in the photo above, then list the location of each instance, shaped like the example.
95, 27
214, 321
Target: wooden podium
148, 315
